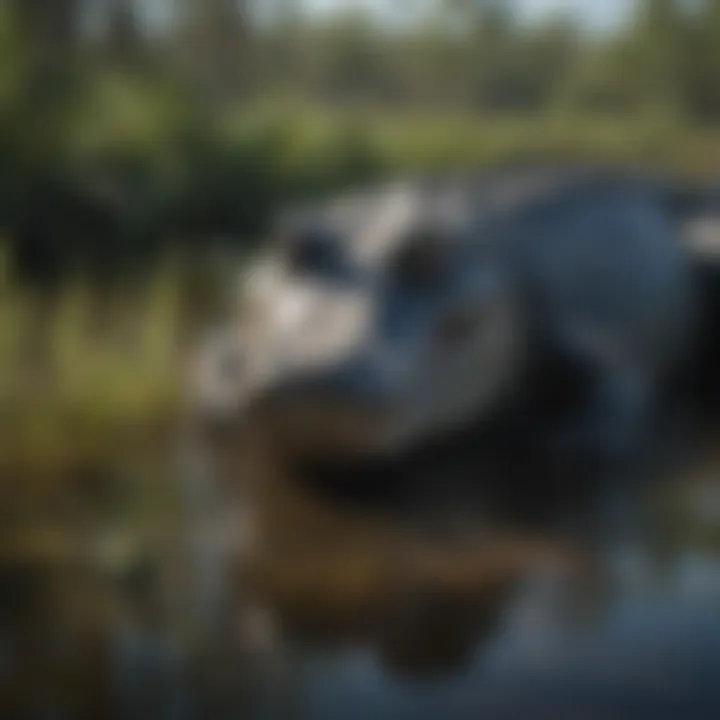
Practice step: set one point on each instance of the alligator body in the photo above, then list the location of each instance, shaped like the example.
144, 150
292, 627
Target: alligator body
377, 322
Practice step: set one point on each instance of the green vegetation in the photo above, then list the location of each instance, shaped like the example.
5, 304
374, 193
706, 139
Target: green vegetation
85, 375
79, 372
116, 143
120, 148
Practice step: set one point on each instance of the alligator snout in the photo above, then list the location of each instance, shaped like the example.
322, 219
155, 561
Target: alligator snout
318, 384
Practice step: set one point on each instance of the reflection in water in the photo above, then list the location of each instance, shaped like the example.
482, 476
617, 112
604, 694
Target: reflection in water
389, 616
425, 607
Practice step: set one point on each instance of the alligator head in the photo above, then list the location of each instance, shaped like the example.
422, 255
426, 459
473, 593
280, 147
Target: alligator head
366, 325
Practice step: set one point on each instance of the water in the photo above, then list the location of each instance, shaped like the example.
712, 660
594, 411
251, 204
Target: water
380, 613
265, 598
652, 655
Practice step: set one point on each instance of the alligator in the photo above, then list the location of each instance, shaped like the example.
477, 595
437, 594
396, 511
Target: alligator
380, 321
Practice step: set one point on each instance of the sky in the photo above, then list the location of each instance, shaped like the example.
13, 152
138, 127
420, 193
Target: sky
598, 14
594, 14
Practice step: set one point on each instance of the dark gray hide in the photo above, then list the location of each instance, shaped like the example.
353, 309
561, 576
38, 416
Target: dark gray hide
378, 321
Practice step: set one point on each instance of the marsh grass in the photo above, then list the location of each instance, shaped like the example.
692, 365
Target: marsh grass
85, 367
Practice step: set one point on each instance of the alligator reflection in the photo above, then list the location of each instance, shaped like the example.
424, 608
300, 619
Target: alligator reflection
478, 609
422, 603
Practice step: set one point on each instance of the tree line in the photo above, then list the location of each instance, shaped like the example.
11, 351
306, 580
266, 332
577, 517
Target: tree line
124, 123
471, 54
